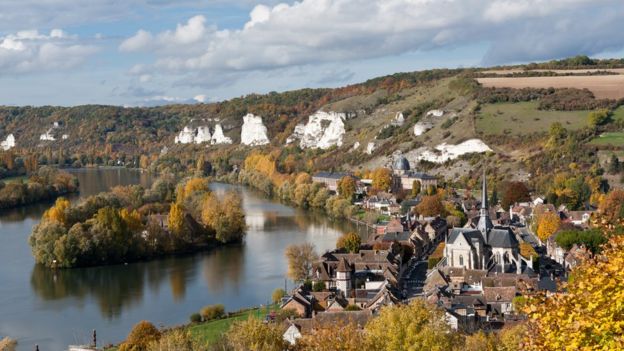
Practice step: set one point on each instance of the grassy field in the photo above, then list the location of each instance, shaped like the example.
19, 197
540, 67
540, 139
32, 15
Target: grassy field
603, 87
618, 114
209, 332
613, 138
14, 179
524, 118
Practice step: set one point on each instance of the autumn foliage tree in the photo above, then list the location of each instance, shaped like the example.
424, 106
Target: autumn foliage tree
300, 259
588, 315
430, 206
254, 335
142, 335
547, 224
224, 216
514, 192
350, 242
382, 179
346, 187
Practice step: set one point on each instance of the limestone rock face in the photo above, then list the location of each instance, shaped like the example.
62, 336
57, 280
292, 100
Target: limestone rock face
445, 152
370, 148
47, 136
8, 143
323, 130
398, 120
203, 135
254, 132
218, 137
435, 113
186, 136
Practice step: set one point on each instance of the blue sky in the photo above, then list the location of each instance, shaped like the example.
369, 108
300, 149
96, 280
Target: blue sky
147, 52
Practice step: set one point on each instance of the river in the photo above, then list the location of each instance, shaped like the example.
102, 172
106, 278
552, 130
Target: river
56, 308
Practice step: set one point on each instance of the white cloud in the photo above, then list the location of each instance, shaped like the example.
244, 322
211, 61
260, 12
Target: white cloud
319, 31
30, 51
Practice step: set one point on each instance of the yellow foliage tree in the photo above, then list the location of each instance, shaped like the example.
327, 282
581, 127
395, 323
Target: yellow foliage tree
547, 224
254, 335
416, 326
382, 179
588, 316
334, 337
193, 185
527, 250
175, 221
132, 219
58, 212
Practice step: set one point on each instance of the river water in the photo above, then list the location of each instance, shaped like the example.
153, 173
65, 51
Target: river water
56, 308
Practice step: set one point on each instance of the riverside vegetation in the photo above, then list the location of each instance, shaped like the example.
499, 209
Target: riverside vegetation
45, 184
131, 223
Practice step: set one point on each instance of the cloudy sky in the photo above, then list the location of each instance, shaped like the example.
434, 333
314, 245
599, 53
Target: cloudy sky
146, 52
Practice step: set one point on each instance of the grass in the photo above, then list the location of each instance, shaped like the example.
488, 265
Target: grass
14, 179
612, 138
211, 331
523, 118
618, 114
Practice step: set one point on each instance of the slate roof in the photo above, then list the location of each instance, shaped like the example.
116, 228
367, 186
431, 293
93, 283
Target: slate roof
401, 164
499, 294
502, 237
467, 233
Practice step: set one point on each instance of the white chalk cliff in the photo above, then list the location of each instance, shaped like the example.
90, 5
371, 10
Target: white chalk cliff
8, 143
186, 136
203, 135
445, 152
218, 137
323, 130
435, 113
48, 136
370, 148
398, 119
254, 132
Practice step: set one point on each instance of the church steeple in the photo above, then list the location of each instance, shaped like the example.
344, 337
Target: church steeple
485, 224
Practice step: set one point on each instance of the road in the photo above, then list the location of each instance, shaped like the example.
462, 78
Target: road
414, 278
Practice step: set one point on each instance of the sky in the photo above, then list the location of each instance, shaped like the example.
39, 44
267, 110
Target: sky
151, 52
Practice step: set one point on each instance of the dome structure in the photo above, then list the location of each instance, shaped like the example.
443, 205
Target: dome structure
401, 165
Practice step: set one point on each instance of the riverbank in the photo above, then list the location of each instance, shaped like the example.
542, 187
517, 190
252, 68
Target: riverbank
209, 332
44, 185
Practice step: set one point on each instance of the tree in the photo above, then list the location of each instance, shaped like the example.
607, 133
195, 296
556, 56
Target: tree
350, 242
382, 179
556, 135
300, 259
58, 212
142, 335
430, 206
494, 198
547, 224
416, 326
612, 207
225, 216
415, 188
346, 187
588, 315
212, 312
598, 118
7, 344
514, 192
591, 239
527, 250
277, 295
176, 221
335, 337
614, 165
254, 335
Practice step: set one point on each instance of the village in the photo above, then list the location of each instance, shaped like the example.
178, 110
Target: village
476, 272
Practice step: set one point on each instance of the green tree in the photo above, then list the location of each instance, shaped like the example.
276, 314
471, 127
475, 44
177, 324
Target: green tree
614, 165
598, 118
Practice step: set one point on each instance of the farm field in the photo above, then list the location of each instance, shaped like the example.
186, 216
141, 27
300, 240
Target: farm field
603, 87
612, 138
559, 71
525, 118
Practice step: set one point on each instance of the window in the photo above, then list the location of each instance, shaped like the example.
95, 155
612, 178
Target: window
461, 260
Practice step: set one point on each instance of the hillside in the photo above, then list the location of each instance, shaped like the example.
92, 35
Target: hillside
436, 118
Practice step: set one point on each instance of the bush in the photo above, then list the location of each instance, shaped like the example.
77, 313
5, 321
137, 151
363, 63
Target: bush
353, 308
142, 334
277, 295
318, 286
195, 318
212, 312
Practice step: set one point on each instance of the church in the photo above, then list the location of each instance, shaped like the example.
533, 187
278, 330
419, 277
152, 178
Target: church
486, 247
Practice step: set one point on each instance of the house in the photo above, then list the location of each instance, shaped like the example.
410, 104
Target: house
331, 179
576, 256
554, 251
578, 218
499, 299
298, 327
299, 302
403, 178
520, 213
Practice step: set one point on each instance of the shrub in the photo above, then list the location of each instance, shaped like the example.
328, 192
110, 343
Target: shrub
318, 286
277, 295
212, 312
195, 318
353, 308
142, 334
432, 262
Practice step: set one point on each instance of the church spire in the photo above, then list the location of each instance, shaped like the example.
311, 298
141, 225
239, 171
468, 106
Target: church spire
485, 224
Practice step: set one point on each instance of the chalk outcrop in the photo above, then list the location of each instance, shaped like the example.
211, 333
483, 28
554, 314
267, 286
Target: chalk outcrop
445, 152
435, 113
370, 148
8, 143
218, 137
203, 135
421, 128
398, 120
323, 130
254, 132
186, 136
47, 136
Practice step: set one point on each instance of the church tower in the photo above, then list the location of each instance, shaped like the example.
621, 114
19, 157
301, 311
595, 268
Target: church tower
485, 224
343, 277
